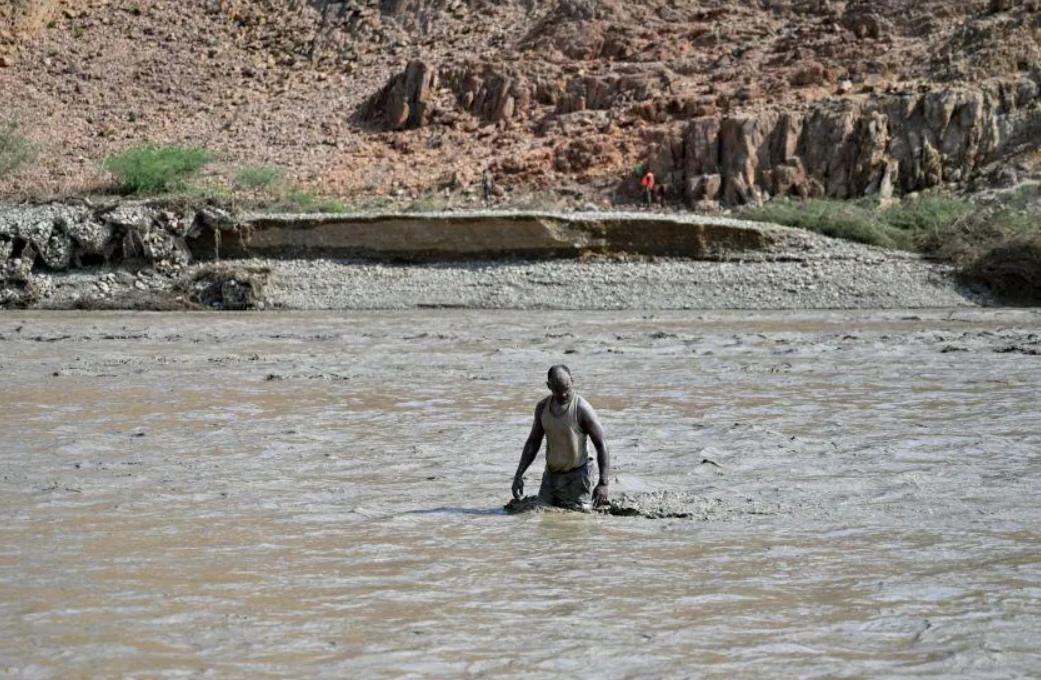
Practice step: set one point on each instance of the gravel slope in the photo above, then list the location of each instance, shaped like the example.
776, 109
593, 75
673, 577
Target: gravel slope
886, 283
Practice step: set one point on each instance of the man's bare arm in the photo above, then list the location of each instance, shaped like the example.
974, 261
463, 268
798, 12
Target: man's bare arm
531, 449
590, 424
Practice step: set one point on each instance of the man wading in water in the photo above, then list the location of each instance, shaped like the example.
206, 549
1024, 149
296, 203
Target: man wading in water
565, 419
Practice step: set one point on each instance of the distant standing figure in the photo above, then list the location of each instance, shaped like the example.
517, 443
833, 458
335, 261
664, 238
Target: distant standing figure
647, 183
565, 420
488, 185
661, 193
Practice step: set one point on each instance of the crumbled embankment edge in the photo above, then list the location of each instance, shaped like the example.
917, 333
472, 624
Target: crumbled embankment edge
167, 255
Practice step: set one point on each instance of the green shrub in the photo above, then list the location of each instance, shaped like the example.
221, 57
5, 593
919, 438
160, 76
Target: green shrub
900, 226
15, 150
996, 246
839, 219
332, 206
152, 169
298, 199
927, 213
259, 177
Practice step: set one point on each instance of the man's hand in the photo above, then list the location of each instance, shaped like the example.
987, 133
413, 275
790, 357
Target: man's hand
600, 495
518, 488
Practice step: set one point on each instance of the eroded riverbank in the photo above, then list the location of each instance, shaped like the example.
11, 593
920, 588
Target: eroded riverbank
319, 495
140, 256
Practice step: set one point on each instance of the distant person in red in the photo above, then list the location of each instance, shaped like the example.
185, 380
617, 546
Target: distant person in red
647, 184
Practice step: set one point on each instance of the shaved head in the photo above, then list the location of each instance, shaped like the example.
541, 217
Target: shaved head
559, 378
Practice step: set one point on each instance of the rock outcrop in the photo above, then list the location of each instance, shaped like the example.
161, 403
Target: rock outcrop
405, 101
496, 92
850, 147
56, 237
490, 92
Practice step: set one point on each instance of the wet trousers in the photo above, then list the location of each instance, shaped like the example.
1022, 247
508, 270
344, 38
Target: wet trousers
572, 489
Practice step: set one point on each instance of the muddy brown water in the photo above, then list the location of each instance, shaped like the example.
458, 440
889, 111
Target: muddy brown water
301, 495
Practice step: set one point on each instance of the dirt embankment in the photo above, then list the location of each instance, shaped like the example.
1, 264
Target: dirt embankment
181, 256
168, 237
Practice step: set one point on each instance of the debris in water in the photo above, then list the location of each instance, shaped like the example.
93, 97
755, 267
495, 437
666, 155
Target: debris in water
651, 504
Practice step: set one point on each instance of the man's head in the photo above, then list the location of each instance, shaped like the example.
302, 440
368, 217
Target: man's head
559, 382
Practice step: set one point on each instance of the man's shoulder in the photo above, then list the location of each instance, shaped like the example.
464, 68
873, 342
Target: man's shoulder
542, 404
584, 408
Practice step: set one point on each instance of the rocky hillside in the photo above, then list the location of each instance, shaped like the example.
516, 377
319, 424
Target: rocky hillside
728, 100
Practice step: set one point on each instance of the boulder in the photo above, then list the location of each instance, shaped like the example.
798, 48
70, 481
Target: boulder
811, 73
865, 22
491, 93
705, 188
405, 101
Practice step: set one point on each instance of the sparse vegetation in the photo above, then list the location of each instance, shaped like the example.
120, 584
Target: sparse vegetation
899, 226
997, 246
333, 207
16, 151
851, 220
298, 200
927, 213
1010, 268
152, 169
259, 177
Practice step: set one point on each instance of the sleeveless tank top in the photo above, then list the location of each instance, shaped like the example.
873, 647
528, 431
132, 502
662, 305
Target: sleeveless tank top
565, 440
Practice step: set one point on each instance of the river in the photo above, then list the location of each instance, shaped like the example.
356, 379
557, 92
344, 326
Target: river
319, 495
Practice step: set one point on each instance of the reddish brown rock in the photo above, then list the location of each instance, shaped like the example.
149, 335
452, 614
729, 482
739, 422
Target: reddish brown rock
846, 149
405, 102
864, 21
810, 74
492, 94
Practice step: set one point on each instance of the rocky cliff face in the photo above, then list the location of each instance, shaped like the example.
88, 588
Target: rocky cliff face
727, 100
842, 148
725, 145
